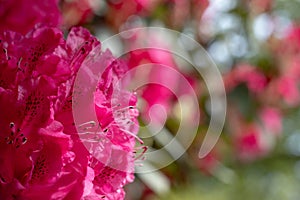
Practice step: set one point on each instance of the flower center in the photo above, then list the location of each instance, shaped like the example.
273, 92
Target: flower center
16, 137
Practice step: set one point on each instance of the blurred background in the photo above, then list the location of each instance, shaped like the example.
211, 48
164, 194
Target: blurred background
256, 47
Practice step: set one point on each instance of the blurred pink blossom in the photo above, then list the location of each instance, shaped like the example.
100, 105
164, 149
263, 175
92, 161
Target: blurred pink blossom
245, 73
287, 88
249, 144
293, 39
155, 93
120, 11
271, 120
76, 12
209, 163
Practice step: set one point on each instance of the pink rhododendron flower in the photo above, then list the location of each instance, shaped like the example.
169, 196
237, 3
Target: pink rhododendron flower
244, 73
42, 155
254, 139
158, 75
164, 79
78, 11
271, 120
120, 11
184, 10
209, 163
293, 69
249, 144
293, 39
22, 15
287, 88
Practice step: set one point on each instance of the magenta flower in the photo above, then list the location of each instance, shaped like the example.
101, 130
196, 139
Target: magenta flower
287, 88
292, 37
245, 73
120, 11
158, 76
271, 120
22, 15
249, 144
42, 155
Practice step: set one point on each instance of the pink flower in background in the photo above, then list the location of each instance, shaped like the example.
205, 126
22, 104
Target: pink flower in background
244, 73
293, 68
22, 15
42, 156
209, 163
164, 78
120, 11
271, 120
287, 88
130, 7
292, 37
249, 144
155, 75
77, 12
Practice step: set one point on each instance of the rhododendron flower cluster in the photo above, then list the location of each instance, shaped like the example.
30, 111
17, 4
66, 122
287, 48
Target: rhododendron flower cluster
42, 155
22, 15
272, 93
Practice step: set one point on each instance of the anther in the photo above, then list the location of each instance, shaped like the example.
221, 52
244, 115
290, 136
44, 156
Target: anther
24, 140
133, 135
88, 125
10, 142
11, 125
2, 179
5, 51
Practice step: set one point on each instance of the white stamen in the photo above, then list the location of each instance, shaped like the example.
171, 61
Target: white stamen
89, 125
133, 135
